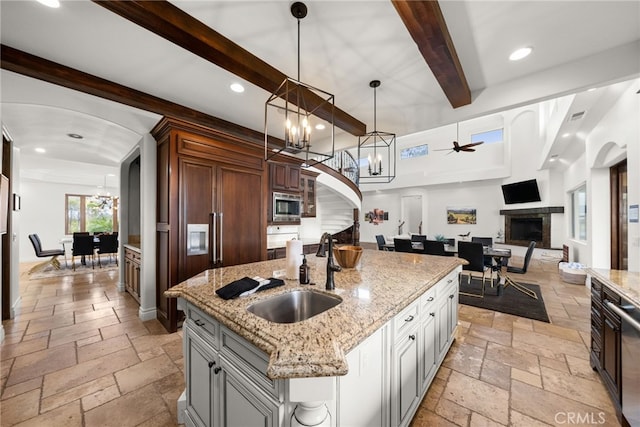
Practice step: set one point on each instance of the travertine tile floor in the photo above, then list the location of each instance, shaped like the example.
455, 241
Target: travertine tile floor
77, 354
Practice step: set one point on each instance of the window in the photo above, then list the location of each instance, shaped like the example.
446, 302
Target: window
488, 137
417, 151
579, 213
90, 213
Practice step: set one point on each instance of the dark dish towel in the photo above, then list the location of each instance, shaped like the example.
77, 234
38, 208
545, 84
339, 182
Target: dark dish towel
237, 287
273, 283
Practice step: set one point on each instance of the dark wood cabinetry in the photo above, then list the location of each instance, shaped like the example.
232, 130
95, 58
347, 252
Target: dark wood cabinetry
132, 272
308, 193
606, 337
284, 177
217, 184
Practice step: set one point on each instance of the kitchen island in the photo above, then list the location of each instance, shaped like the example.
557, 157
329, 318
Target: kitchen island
368, 360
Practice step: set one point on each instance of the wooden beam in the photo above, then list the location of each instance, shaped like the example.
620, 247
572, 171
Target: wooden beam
427, 27
176, 26
42, 69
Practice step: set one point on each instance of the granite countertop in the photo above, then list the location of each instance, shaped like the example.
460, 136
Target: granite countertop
373, 292
625, 283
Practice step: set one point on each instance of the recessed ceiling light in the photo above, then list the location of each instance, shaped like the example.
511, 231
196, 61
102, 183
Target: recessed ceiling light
40, 150
237, 87
566, 135
521, 53
111, 174
50, 3
319, 126
75, 136
591, 89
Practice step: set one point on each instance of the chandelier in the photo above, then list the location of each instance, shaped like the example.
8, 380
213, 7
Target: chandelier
379, 148
292, 107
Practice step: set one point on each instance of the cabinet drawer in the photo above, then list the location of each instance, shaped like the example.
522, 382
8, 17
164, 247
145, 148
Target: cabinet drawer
203, 326
595, 285
406, 319
252, 362
428, 301
609, 294
132, 255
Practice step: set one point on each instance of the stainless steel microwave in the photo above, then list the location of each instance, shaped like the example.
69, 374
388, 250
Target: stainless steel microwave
286, 207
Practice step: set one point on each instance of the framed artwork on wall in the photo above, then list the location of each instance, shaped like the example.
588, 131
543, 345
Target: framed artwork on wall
461, 216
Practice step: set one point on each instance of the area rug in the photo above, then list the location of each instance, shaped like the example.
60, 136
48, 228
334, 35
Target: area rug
49, 271
511, 301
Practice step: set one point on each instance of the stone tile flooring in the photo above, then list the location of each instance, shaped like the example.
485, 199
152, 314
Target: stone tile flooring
77, 354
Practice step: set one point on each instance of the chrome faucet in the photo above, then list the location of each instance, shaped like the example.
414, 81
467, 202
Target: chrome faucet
331, 267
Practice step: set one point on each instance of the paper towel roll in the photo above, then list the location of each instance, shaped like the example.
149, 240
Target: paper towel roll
294, 258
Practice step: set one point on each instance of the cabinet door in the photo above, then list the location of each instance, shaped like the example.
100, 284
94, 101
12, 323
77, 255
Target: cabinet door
407, 384
197, 202
611, 357
442, 317
135, 280
200, 371
284, 177
308, 192
241, 225
244, 404
429, 353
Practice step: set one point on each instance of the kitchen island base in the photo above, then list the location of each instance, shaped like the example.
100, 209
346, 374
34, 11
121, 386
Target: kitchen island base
388, 375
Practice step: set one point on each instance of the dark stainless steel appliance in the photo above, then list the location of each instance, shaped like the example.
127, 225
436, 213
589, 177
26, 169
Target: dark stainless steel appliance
286, 207
630, 316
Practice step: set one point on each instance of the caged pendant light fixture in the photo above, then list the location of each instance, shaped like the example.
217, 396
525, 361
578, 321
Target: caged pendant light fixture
379, 150
291, 108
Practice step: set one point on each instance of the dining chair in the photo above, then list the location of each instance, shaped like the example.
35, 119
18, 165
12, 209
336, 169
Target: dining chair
433, 247
486, 241
82, 246
108, 245
522, 270
45, 253
473, 253
381, 242
402, 245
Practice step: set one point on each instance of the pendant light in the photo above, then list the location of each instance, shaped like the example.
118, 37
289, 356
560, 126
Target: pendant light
291, 108
378, 149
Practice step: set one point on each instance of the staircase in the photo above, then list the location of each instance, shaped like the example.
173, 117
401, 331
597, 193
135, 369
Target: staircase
335, 212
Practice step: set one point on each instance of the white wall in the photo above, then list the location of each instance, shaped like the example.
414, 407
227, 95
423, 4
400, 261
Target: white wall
615, 137
469, 179
43, 213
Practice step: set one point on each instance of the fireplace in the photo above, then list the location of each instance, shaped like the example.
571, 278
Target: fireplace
521, 226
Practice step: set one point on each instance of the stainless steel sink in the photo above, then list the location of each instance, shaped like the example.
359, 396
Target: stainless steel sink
294, 306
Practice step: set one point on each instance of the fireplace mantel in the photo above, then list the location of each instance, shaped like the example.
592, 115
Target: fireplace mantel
533, 211
543, 215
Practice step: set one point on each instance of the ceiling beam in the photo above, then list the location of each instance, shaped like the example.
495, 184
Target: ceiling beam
42, 69
427, 27
176, 26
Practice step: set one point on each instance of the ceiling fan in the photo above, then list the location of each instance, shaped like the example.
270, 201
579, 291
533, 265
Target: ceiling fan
458, 148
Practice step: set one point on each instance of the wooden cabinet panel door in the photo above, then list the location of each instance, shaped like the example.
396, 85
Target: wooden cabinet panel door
197, 202
240, 227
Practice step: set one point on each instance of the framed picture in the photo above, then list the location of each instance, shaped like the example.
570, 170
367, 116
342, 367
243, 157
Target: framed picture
376, 216
461, 216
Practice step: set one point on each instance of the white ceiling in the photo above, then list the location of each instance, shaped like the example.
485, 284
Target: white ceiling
345, 44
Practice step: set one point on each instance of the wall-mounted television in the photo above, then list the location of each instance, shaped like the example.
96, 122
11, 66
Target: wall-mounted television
521, 192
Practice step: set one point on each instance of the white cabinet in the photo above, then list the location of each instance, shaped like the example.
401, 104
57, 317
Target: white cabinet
428, 338
389, 372
201, 380
226, 387
405, 365
242, 403
447, 312
363, 392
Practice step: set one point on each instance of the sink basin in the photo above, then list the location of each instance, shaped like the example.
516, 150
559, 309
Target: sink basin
294, 306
